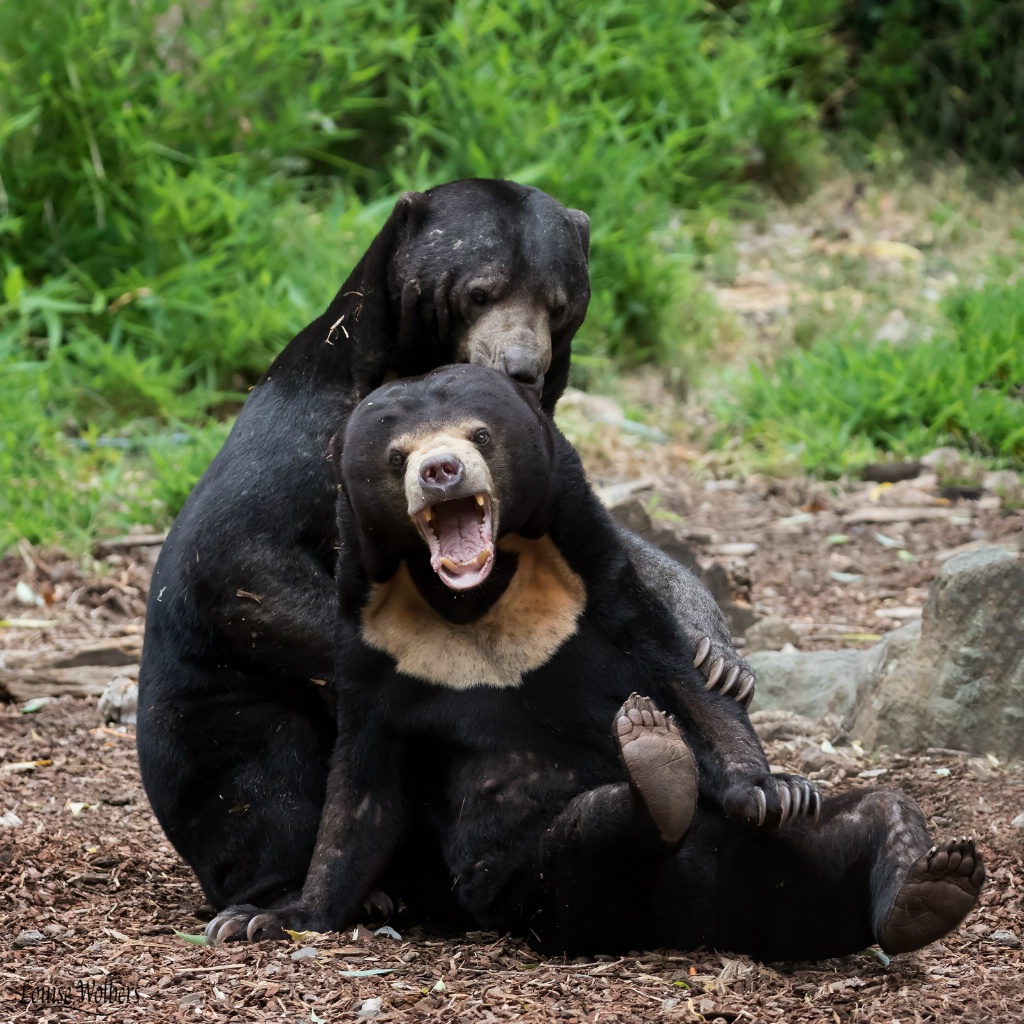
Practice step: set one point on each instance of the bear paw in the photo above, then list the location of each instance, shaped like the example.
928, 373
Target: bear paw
773, 800
246, 923
661, 767
940, 890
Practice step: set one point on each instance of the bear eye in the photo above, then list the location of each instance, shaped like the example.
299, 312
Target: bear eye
479, 297
397, 458
558, 311
481, 437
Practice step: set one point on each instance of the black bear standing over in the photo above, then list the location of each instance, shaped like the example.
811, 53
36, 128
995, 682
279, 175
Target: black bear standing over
492, 761
234, 732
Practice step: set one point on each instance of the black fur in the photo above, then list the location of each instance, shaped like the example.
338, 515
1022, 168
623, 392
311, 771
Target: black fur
509, 807
234, 730
233, 738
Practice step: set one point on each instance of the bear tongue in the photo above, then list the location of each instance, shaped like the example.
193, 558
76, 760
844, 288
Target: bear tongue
465, 551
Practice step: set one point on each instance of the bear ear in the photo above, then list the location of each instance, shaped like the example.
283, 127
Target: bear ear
410, 211
582, 224
405, 221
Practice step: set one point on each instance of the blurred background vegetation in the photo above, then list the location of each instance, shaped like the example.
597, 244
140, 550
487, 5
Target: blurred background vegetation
183, 186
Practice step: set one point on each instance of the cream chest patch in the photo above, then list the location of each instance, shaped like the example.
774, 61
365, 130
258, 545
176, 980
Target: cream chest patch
535, 615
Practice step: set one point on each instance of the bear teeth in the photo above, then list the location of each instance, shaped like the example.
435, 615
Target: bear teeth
459, 534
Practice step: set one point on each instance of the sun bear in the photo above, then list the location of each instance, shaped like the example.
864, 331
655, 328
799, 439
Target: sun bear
234, 732
519, 746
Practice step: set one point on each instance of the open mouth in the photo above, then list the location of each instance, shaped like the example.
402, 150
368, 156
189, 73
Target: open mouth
461, 540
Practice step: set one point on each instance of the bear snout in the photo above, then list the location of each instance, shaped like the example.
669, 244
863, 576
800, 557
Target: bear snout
524, 365
441, 472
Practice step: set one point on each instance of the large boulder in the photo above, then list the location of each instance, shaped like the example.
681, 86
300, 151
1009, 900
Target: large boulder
954, 679
812, 683
961, 682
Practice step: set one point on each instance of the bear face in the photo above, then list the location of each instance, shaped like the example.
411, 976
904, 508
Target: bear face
498, 271
449, 484
424, 481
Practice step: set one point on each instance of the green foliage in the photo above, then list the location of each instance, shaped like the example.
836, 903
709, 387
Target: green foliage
58, 482
183, 186
844, 402
947, 71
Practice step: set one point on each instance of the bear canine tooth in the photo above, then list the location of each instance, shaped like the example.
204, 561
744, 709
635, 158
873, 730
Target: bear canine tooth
479, 500
427, 514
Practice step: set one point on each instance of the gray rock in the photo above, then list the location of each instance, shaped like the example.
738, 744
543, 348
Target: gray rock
1005, 484
961, 685
770, 634
955, 679
119, 702
787, 725
28, 938
812, 684
1003, 937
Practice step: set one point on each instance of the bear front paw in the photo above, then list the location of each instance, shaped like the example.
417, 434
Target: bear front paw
246, 923
773, 800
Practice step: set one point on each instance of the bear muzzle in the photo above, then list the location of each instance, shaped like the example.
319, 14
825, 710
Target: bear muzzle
449, 494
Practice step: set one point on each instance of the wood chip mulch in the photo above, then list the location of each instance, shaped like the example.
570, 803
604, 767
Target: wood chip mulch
91, 892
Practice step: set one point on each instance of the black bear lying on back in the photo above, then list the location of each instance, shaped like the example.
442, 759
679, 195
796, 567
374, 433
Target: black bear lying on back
494, 763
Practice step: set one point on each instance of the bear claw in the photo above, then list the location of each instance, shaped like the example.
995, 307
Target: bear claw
378, 906
702, 652
721, 674
661, 767
939, 891
246, 923
795, 800
232, 924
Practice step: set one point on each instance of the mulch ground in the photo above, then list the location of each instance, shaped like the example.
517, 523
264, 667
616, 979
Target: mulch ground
89, 871
84, 865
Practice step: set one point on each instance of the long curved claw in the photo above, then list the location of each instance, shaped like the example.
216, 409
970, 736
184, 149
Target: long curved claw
746, 694
799, 804
225, 927
264, 922
716, 671
762, 806
702, 652
378, 905
810, 801
785, 803
730, 680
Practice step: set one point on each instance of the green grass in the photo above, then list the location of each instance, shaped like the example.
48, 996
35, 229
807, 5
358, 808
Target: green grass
183, 186
845, 402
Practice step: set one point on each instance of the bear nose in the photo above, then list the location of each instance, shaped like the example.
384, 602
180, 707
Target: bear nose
523, 366
441, 472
